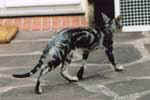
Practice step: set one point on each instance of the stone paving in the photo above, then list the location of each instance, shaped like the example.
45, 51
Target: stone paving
132, 50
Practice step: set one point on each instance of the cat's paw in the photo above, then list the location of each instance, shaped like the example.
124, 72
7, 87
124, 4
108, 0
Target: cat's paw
38, 88
38, 91
74, 79
119, 68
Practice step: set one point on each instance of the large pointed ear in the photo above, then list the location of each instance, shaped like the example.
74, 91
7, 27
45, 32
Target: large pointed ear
106, 18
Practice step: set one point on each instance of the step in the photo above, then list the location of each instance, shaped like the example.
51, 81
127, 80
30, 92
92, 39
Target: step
22, 48
32, 36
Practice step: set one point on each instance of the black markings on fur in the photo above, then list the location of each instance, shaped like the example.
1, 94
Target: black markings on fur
81, 70
37, 88
85, 55
80, 73
28, 74
21, 76
60, 46
110, 56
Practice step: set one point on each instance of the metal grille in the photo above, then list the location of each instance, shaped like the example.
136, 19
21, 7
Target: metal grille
135, 12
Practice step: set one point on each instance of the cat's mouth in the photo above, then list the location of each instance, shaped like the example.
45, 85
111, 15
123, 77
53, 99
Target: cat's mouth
120, 28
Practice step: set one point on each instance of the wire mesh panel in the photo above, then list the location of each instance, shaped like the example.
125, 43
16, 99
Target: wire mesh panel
135, 14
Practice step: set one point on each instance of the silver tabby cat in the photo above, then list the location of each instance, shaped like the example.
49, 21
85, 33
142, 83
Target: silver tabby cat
59, 51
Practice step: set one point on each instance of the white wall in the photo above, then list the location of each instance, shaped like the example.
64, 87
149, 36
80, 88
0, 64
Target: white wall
18, 3
2, 3
39, 7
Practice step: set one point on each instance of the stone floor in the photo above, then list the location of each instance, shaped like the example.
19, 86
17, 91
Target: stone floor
100, 82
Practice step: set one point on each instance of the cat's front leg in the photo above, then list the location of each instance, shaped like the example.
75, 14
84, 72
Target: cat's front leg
111, 58
64, 69
108, 44
65, 74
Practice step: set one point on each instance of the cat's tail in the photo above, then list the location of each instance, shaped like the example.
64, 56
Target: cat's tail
28, 74
36, 68
22, 75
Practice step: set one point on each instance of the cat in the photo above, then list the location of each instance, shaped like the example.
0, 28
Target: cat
59, 50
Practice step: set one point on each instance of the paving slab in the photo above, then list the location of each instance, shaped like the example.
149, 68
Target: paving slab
6, 82
127, 36
54, 80
30, 35
145, 97
123, 54
23, 60
140, 69
22, 48
91, 73
147, 46
118, 37
12, 82
100, 81
130, 86
59, 92
9, 71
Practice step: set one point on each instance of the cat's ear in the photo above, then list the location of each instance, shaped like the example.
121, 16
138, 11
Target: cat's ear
105, 18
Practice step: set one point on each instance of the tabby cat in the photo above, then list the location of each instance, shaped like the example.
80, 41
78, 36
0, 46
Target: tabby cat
59, 50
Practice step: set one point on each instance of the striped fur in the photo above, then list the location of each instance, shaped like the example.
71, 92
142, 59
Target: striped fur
59, 51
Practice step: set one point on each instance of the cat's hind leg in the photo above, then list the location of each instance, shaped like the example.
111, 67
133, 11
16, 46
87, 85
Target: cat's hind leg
44, 71
84, 63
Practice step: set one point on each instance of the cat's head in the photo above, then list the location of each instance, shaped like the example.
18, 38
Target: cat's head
113, 25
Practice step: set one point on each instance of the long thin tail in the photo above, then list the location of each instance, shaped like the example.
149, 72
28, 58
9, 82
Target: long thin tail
36, 68
28, 74
21, 75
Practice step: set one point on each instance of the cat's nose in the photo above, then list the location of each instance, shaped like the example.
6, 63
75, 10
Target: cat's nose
120, 25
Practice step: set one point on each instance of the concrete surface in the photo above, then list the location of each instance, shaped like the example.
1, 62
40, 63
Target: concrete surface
100, 82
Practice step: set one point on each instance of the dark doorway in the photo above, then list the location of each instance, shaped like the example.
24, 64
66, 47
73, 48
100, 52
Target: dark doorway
106, 6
